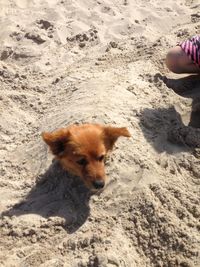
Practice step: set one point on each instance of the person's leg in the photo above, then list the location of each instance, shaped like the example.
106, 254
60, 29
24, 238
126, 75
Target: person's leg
178, 62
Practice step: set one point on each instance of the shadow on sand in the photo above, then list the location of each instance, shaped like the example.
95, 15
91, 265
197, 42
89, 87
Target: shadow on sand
164, 127
56, 193
188, 87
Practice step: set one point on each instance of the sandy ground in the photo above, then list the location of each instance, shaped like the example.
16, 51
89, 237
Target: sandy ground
67, 61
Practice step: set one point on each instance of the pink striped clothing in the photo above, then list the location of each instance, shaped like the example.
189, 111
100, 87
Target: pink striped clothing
192, 48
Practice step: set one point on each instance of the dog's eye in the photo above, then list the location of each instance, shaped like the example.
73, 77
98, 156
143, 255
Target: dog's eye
82, 162
101, 158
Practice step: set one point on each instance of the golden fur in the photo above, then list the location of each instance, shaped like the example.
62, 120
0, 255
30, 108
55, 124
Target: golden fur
81, 149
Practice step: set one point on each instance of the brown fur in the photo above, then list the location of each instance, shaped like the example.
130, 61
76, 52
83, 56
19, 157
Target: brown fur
81, 149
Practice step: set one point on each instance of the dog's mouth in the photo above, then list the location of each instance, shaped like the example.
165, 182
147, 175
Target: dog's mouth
95, 191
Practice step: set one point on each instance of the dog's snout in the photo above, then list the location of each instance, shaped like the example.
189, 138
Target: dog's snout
98, 184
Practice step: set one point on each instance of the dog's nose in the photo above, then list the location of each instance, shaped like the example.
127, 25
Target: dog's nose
98, 184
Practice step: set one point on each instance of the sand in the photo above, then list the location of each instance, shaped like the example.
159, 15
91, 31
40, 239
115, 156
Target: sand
64, 62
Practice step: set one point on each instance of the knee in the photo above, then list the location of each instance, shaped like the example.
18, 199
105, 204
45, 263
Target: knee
172, 61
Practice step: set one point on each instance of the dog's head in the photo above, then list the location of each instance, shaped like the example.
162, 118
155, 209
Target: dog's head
82, 149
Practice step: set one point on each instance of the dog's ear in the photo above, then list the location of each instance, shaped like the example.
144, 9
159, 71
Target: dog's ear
111, 134
57, 140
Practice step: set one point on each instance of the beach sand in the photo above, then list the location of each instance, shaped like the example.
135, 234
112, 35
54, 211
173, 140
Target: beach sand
65, 62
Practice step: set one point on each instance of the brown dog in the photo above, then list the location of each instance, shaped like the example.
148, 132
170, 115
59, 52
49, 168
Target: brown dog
81, 149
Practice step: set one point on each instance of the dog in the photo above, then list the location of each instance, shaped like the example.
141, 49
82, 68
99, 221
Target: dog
82, 149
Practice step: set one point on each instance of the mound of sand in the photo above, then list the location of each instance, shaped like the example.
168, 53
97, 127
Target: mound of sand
64, 62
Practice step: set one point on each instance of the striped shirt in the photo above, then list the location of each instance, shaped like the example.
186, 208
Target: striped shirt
192, 48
